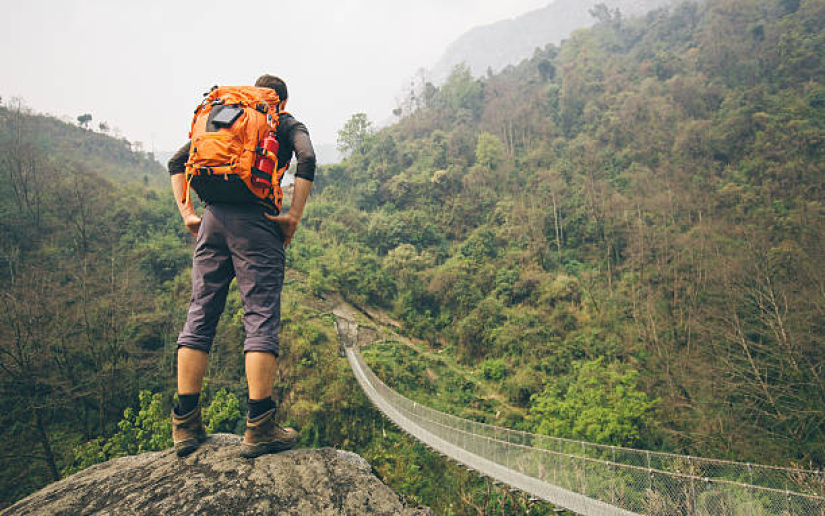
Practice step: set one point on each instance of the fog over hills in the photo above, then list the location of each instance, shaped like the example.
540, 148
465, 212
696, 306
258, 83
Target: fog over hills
509, 41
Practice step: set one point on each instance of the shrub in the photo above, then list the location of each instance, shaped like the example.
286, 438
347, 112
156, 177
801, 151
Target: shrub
494, 369
600, 404
150, 429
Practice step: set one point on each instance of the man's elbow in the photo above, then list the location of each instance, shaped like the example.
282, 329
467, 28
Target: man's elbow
306, 167
309, 158
177, 163
175, 166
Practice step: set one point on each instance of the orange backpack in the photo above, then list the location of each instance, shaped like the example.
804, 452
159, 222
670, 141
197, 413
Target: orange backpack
226, 130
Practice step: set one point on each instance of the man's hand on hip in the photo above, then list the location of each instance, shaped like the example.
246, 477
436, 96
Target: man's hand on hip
289, 220
187, 210
193, 223
288, 224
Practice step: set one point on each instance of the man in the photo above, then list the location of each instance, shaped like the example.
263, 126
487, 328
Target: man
245, 241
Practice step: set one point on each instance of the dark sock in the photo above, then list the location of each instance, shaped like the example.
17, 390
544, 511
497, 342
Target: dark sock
259, 407
186, 403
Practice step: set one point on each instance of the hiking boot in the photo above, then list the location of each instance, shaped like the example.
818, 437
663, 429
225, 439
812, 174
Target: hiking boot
187, 431
263, 435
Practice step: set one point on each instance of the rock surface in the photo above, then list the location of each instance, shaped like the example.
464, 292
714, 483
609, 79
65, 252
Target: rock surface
215, 480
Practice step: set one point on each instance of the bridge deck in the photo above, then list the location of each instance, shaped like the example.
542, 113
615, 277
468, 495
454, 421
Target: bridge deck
548, 492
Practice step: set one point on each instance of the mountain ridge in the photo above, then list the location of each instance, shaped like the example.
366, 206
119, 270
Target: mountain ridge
22, 130
507, 42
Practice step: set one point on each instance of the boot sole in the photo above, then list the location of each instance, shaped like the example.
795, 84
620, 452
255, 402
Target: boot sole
184, 448
250, 451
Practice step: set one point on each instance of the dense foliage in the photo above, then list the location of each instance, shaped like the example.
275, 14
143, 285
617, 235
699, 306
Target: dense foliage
84, 316
631, 224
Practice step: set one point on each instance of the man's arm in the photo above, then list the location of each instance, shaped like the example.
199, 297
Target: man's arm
304, 175
177, 167
304, 153
289, 221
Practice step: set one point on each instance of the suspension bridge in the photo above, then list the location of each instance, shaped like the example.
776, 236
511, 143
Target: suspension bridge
592, 479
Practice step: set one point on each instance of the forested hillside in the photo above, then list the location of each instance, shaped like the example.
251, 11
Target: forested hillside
494, 46
81, 258
114, 158
627, 229
618, 240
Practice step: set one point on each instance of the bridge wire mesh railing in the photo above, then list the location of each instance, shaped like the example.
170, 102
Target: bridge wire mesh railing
639, 481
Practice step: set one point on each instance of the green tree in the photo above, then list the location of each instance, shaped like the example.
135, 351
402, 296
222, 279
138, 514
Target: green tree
84, 120
463, 93
354, 133
605, 15
601, 404
489, 151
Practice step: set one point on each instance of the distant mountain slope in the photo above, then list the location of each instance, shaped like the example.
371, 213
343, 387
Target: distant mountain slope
509, 41
110, 157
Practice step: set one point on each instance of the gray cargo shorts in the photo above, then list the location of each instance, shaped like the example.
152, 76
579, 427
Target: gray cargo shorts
236, 240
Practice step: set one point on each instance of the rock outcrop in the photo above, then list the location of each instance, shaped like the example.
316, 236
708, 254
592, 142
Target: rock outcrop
215, 480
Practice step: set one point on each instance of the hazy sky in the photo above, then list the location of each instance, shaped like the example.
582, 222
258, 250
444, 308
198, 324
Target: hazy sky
142, 65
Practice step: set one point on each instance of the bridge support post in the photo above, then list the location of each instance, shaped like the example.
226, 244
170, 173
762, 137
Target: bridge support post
584, 470
613, 476
691, 495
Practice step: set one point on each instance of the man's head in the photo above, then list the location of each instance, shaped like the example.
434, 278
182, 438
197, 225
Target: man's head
275, 83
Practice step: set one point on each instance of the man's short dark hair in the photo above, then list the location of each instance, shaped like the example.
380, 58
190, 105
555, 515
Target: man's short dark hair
275, 83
